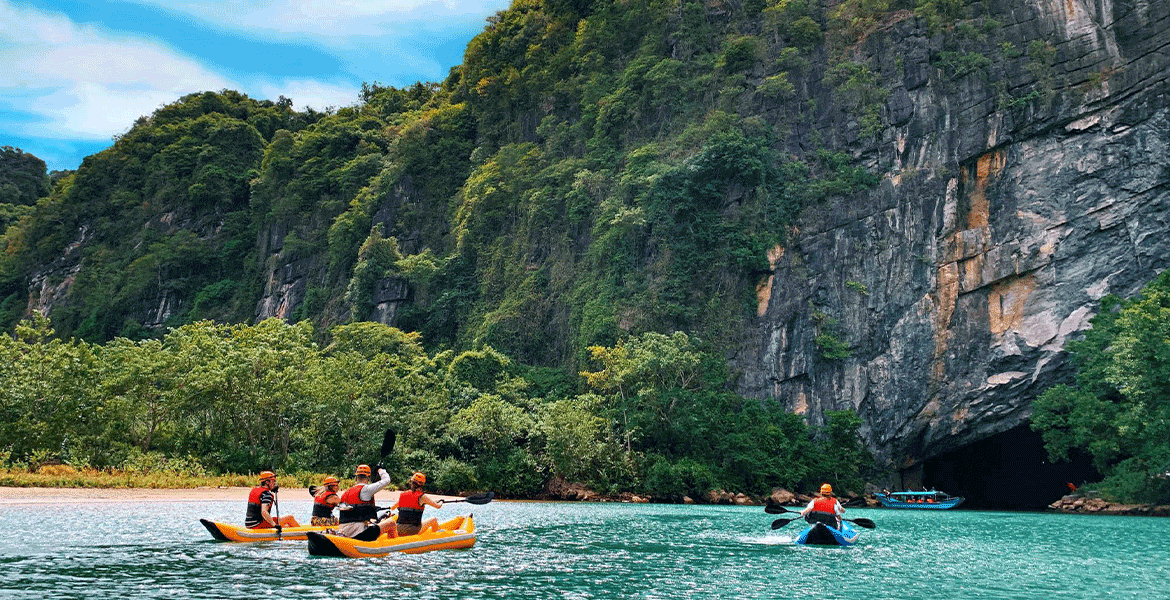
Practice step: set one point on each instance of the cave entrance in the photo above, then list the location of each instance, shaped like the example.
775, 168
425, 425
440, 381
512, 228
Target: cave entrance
1007, 471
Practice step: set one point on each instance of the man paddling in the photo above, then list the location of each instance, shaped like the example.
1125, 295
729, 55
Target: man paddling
357, 511
825, 509
260, 501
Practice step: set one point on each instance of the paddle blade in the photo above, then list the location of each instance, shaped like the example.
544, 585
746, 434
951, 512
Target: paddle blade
778, 523
776, 509
388, 442
863, 522
483, 498
313, 491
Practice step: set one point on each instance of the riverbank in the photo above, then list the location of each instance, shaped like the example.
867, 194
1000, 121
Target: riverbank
1090, 505
64, 495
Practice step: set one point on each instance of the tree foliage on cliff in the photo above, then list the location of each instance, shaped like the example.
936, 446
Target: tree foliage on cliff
1118, 410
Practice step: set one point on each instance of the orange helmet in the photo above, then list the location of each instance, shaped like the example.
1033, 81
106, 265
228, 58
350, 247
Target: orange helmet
266, 475
363, 470
418, 478
331, 481
826, 490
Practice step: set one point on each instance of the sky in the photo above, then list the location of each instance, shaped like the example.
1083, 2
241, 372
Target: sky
76, 74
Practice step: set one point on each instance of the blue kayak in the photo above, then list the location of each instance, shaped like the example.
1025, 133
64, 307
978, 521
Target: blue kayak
819, 534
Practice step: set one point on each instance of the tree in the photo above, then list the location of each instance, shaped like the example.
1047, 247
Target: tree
1118, 408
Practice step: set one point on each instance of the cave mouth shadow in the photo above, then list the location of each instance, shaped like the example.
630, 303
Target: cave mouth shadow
1007, 471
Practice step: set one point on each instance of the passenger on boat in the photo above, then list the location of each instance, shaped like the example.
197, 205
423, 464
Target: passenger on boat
410, 508
260, 502
324, 501
358, 516
825, 509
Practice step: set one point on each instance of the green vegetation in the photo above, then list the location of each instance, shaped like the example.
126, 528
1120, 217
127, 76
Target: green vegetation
207, 399
1118, 409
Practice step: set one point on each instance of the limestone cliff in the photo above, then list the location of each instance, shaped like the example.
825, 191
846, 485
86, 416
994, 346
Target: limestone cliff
1011, 204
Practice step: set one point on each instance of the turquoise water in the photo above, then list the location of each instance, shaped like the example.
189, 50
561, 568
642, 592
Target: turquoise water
582, 551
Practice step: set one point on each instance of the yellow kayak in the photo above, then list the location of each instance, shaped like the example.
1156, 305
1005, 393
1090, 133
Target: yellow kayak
237, 533
454, 534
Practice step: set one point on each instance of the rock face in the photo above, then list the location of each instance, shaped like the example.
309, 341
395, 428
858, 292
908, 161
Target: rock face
999, 226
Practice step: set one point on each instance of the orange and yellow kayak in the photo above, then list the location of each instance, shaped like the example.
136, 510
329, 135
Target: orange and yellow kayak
454, 534
237, 533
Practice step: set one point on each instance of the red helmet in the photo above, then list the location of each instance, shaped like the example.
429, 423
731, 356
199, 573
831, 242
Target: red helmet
363, 470
418, 478
266, 475
331, 481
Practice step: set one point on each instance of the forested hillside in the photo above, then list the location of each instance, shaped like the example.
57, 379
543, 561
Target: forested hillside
594, 169
897, 209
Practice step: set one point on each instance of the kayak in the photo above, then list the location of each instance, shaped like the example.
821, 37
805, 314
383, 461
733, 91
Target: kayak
819, 534
454, 534
225, 532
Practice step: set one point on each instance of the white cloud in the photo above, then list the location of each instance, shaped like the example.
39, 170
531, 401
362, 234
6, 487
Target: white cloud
309, 93
77, 81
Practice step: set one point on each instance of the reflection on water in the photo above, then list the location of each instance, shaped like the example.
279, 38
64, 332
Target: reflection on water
581, 551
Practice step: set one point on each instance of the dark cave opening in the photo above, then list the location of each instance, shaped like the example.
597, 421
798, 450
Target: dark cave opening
1007, 471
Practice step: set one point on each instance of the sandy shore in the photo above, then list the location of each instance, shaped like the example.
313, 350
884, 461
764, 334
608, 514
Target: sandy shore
31, 495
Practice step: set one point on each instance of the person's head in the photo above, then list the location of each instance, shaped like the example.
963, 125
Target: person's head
362, 473
826, 490
418, 480
331, 483
267, 479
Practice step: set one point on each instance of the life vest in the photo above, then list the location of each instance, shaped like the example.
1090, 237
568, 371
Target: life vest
825, 504
321, 508
360, 510
258, 496
410, 510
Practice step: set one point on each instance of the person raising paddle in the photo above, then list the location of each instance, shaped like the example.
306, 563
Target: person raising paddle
410, 508
260, 501
825, 509
324, 501
357, 509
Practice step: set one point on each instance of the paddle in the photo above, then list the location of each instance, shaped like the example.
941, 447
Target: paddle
276, 505
388, 440
862, 522
481, 498
773, 509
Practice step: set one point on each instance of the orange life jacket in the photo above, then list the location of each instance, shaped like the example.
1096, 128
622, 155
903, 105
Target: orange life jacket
360, 510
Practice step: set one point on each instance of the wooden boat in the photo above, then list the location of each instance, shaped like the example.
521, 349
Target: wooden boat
927, 499
226, 532
454, 534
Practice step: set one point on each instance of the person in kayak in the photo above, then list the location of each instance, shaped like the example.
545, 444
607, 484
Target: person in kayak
260, 502
411, 504
324, 501
825, 509
357, 512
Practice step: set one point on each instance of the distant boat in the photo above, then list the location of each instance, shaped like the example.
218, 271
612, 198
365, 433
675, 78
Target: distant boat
927, 499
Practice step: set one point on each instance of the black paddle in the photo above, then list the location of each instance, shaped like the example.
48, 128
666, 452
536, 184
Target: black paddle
388, 439
482, 498
860, 522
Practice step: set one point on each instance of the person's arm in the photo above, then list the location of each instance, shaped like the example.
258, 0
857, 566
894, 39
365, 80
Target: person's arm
370, 489
838, 509
425, 499
808, 508
265, 506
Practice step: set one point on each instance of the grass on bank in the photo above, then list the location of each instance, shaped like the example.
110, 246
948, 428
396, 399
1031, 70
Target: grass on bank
66, 476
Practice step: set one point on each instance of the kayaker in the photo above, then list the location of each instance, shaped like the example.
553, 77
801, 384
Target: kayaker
357, 511
825, 509
325, 501
410, 507
260, 501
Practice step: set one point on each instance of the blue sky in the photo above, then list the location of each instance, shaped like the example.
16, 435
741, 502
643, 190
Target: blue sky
75, 74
